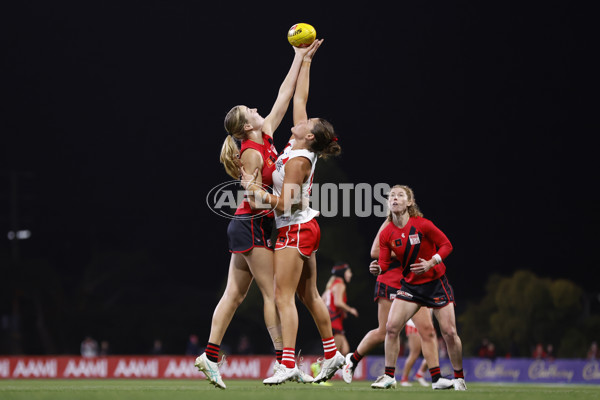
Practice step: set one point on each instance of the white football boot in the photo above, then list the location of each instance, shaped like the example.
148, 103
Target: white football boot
210, 370
459, 384
283, 374
422, 382
329, 367
384, 382
348, 370
276, 368
302, 377
442, 383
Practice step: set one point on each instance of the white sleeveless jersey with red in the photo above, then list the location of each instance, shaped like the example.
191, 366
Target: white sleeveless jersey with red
306, 213
269, 155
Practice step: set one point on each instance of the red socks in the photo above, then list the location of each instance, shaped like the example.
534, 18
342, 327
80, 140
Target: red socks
288, 357
329, 347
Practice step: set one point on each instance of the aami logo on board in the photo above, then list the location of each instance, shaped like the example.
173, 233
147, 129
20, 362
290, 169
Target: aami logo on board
86, 369
35, 369
137, 368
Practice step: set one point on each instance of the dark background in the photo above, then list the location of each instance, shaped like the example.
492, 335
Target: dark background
112, 123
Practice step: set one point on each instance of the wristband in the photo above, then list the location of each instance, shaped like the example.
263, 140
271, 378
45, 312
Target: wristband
437, 258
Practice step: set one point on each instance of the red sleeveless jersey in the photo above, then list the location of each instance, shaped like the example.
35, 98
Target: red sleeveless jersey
420, 238
269, 155
336, 314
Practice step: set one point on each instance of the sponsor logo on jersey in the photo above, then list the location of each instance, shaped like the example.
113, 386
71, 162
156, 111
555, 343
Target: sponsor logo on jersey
397, 243
281, 239
404, 294
414, 239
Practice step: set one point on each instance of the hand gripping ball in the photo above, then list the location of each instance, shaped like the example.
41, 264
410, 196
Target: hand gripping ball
302, 35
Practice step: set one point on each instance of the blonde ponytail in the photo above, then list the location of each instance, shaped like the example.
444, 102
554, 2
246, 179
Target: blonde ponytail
230, 155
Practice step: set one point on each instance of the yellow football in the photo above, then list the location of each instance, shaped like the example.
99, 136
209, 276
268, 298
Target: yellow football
302, 35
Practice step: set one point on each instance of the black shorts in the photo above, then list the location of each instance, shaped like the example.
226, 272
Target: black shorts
434, 294
384, 291
245, 234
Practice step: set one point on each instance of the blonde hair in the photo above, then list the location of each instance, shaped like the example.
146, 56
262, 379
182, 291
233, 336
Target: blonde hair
230, 152
413, 209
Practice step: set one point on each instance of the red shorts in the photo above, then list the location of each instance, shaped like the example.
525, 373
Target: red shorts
305, 237
337, 328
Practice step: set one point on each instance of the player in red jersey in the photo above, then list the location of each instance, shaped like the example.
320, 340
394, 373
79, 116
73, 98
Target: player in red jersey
299, 234
249, 232
386, 288
335, 300
420, 247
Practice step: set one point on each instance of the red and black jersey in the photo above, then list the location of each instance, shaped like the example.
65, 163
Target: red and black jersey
269, 156
393, 275
420, 238
335, 313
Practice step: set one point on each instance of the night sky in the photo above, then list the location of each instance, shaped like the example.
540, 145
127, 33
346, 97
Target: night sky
112, 119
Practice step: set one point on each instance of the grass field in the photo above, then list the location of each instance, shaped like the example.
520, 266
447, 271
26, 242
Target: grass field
200, 389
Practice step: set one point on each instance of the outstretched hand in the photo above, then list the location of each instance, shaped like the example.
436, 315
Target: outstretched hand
309, 51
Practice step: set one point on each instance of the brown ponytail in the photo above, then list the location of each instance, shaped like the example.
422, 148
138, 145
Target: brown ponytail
326, 142
230, 153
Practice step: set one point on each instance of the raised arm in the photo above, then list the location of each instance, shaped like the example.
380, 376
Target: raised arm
301, 94
286, 91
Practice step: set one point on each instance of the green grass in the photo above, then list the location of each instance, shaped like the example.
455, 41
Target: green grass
159, 389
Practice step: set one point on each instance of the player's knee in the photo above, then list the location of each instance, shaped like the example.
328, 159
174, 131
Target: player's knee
310, 300
427, 333
234, 298
392, 330
449, 334
283, 302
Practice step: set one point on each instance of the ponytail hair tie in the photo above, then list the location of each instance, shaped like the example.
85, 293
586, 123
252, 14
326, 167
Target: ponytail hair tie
335, 139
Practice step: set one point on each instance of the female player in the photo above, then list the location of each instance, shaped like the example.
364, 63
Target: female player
249, 232
335, 300
298, 233
386, 288
420, 247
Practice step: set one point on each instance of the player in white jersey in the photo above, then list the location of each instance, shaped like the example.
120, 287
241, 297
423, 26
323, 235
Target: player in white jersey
298, 232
